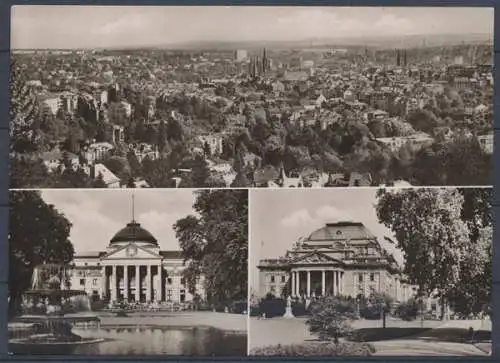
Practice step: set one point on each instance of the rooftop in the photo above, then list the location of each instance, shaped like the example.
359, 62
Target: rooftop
133, 232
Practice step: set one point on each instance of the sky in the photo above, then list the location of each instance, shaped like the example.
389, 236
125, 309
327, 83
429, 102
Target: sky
52, 26
280, 217
97, 215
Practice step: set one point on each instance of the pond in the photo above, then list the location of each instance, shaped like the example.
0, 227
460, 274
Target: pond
144, 341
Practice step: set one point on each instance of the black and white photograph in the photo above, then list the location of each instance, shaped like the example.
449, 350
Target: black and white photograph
245, 96
124, 272
370, 272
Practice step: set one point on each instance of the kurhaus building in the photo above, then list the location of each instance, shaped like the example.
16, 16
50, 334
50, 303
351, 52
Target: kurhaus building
340, 258
133, 269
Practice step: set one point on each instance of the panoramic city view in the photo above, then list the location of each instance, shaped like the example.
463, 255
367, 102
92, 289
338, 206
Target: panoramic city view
340, 271
314, 181
316, 97
115, 273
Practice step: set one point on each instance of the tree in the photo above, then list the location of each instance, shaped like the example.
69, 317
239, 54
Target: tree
38, 234
474, 294
432, 235
200, 174
99, 182
23, 112
130, 183
206, 149
215, 244
28, 173
331, 317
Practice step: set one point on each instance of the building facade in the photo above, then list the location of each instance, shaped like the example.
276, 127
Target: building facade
133, 269
342, 258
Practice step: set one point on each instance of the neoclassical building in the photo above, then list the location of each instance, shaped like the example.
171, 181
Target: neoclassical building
339, 258
133, 268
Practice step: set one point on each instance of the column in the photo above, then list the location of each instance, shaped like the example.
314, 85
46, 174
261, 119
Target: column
293, 285
341, 282
323, 283
338, 281
308, 283
104, 284
333, 283
159, 287
137, 283
113, 283
297, 283
148, 284
125, 283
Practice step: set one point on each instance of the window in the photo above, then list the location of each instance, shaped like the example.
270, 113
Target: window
360, 278
94, 282
82, 281
183, 281
339, 232
372, 277
169, 281
272, 278
283, 278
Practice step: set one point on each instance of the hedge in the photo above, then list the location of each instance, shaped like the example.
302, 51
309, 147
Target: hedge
316, 350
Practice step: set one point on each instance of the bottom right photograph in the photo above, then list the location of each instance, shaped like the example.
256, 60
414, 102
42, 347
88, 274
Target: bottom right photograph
370, 272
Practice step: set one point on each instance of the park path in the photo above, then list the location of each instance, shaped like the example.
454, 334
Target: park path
439, 340
435, 341
415, 347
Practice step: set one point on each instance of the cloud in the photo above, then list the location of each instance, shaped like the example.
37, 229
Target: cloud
324, 214
330, 214
96, 215
297, 219
160, 224
392, 24
127, 24
318, 23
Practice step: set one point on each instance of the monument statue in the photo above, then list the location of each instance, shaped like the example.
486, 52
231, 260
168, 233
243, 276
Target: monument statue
288, 310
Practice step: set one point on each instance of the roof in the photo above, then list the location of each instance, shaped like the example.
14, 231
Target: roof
107, 175
171, 254
341, 231
133, 232
89, 254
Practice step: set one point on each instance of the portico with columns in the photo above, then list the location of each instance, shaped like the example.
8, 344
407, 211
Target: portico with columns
132, 268
316, 281
342, 258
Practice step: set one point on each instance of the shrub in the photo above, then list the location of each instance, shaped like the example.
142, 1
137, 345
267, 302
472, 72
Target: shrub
239, 307
255, 311
299, 308
316, 349
331, 317
407, 311
272, 307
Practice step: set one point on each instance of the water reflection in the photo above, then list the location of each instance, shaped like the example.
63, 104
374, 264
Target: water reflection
194, 341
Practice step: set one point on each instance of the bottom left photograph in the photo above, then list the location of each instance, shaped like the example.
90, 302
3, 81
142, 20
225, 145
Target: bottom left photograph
128, 272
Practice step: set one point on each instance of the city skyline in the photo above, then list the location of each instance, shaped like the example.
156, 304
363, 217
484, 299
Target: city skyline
97, 215
66, 27
278, 218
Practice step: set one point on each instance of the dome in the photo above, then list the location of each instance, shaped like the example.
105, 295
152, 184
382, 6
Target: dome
133, 232
341, 231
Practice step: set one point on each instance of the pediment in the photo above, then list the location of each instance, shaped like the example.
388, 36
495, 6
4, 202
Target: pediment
314, 258
132, 251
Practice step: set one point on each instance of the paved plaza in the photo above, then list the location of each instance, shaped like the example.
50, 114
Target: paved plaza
414, 338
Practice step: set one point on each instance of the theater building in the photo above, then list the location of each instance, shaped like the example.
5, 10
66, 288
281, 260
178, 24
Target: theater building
132, 268
340, 258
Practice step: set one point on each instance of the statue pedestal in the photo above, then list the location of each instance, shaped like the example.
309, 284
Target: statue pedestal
288, 313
